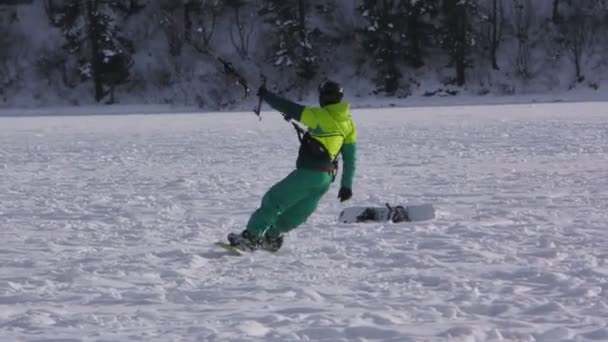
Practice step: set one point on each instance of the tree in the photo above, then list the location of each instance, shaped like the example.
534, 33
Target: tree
522, 23
397, 33
490, 29
242, 27
94, 40
556, 17
495, 31
382, 40
9, 41
175, 29
576, 31
294, 44
110, 51
418, 30
457, 35
200, 19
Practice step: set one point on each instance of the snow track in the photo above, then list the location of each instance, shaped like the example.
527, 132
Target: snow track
107, 226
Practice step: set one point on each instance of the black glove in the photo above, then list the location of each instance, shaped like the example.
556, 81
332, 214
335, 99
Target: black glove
345, 194
262, 90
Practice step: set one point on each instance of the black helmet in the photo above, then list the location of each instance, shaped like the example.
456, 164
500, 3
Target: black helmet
330, 92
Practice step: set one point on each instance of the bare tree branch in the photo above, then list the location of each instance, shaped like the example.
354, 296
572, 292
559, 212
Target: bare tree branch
244, 32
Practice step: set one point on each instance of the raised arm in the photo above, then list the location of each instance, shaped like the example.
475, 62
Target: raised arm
289, 109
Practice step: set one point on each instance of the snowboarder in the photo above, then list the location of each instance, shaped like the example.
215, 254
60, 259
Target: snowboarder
292, 200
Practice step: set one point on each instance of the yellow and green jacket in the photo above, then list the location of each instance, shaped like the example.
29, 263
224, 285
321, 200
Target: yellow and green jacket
331, 125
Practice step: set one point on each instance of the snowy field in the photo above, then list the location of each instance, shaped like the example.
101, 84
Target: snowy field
106, 226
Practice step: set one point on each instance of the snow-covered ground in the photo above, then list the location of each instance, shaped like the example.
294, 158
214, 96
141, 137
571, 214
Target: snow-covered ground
107, 222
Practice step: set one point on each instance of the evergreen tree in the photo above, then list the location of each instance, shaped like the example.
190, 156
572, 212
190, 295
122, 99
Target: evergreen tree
382, 39
94, 40
7, 40
578, 25
457, 35
419, 29
397, 31
294, 45
488, 21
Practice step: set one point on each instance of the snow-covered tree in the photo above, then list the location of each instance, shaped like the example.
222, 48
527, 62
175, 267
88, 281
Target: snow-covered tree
200, 19
188, 22
577, 27
522, 23
396, 31
492, 29
457, 34
9, 40
382, 39
94, 42
419, 29
242, 26
294, 41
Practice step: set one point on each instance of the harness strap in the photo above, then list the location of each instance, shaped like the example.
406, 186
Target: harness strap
327, 169
299, 130
333, 171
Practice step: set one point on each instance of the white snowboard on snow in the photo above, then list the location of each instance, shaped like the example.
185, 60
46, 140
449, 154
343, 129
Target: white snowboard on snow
396, 214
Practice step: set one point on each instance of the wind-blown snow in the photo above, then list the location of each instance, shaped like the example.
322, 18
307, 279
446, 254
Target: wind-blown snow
107, 227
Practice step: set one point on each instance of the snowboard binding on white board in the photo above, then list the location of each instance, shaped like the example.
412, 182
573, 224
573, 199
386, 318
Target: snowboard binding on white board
387, 213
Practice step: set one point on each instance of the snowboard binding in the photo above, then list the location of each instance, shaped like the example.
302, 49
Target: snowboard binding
395, 214
248, 243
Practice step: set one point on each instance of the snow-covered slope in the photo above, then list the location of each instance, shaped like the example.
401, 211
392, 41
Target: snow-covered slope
107, 224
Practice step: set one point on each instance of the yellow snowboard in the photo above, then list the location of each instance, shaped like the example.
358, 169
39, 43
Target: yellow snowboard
226, 246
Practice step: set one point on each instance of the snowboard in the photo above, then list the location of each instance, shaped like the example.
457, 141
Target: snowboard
395, 214
235, 251
228, 247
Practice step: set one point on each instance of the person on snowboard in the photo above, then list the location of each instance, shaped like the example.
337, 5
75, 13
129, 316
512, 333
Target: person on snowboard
330, 132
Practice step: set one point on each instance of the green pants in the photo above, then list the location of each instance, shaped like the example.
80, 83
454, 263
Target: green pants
289, 202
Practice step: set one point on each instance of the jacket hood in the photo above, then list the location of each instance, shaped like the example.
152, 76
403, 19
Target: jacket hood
339, 111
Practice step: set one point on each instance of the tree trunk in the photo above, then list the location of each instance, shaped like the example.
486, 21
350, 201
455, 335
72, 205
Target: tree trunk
188, 22
580, 35
302, 18
461, 34
95, 53
495, 38
415, 37
577, 64
455, 27
391, 83
49, 8
556, 16
522, 26
307, 63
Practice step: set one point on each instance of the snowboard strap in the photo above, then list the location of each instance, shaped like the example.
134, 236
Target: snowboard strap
397, 214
